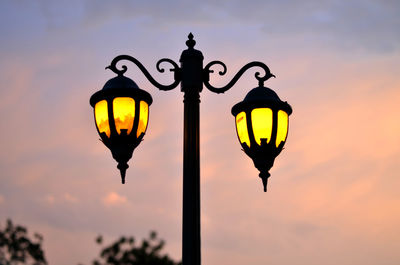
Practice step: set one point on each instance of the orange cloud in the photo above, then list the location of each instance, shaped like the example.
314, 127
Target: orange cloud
113, 198
50, 199
70, 198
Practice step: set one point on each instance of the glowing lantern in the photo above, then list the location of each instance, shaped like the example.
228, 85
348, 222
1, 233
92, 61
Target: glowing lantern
262, 122
121, 113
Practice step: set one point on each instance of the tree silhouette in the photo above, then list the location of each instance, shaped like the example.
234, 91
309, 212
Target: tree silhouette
124, 251
17, 248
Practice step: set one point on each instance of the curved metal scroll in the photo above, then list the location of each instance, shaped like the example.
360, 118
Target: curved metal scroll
176, 70
261, 79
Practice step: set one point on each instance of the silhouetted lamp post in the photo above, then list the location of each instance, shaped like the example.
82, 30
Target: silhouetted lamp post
121, 112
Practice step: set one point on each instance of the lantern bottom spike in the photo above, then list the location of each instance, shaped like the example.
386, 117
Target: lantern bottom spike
123, 166
264, 176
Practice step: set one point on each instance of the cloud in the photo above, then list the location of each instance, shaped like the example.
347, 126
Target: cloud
113, 198
369, 25
70, 198
50, 199
354, 25
159, 13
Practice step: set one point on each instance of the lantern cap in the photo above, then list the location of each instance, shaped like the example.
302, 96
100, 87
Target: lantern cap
120, 86
121, 82
261, 97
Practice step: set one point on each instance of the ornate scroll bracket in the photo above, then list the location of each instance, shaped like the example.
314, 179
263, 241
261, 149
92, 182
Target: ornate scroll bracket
175, 69
261, 79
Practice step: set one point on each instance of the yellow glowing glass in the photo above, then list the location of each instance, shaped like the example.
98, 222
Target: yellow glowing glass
283, 121
241, 127
143, 118
124, 114
261, 120
101, 117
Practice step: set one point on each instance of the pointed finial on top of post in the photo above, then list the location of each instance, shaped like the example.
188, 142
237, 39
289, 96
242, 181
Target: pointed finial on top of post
190, 42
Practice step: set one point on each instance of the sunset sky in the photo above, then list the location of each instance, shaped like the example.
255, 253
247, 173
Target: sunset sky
333, 194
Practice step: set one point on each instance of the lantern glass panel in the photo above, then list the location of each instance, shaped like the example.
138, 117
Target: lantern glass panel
143, 118
124, 114
241, 127
101, 117
283, 121
261, 120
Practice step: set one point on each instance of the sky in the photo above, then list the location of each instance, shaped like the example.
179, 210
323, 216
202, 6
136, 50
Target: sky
333, 192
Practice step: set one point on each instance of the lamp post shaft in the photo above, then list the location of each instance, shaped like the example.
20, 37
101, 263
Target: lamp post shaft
192, 84
191, 182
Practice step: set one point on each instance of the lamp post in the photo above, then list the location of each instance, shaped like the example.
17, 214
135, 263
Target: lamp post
121, 111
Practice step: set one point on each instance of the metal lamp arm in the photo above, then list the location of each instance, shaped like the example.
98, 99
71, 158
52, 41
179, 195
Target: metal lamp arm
261, 79
176, 70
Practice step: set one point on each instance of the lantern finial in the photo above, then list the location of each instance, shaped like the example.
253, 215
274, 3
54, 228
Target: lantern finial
123, 166
264, 175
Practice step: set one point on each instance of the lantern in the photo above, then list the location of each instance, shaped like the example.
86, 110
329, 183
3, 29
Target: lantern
121, 113
262, 122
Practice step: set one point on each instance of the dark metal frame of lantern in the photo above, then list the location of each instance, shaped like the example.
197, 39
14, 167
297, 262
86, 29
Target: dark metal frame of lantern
263, 154
121, 144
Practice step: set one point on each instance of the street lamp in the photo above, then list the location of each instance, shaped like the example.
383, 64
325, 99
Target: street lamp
121, 111
262, 123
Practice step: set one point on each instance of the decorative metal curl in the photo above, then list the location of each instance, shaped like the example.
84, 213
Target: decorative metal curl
175, 69
261, 79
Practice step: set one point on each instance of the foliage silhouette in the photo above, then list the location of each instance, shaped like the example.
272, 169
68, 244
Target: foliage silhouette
124, 251
17, 248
